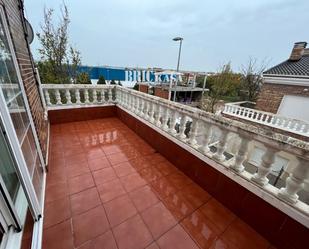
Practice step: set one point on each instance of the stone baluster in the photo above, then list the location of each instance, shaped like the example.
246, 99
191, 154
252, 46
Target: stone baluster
205, 148
295, 181
193, 133
47, 97
86, 93
219, 155
103, 96
58, 97
165, 117
173, 121
77, 96
158, 115
142, 106
95, 96
240, 155
182, 127
137, 104
110, 95
263, 170
68, 96
152, 112
147, 104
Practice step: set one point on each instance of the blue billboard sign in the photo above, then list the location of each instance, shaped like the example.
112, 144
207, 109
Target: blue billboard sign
124, 74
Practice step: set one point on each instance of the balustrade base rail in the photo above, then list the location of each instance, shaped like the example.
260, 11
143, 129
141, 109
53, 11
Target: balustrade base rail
186, 126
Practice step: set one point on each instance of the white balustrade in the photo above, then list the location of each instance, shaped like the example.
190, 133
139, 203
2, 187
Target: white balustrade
268, 119
204, 133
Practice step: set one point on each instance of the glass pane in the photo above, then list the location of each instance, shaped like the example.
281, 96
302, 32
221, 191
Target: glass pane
37, 180
7, 169
29, 151
19, 116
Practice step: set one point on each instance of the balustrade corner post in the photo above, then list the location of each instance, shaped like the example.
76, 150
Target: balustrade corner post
205, 147
260, 177
193, 133
295, 182
241, 155
219, 155
47, 97
182, 127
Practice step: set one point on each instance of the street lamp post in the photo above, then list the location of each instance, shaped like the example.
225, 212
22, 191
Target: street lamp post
180, 39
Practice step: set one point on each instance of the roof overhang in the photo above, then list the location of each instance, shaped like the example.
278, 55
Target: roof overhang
286, 80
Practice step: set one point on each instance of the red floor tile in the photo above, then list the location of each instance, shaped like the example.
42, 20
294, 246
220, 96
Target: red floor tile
218, 214
58, 236
243, 236
56, 212
153, 246
57, 175
77, 169
132, 181
80, 183
132, 234
195, 195
110, 190
119, 209
124, 169
158, 219
179, 180
56, 191
104, 241
163, 187
140, 163
202, 230
166, 168
98, 163
85, 200
222, 244
75, 159
111, 149
94, 153
89, 225
104, 175
176, 238
150, 174
143, 198
117, 158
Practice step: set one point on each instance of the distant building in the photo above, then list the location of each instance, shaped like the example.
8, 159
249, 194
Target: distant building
286, 86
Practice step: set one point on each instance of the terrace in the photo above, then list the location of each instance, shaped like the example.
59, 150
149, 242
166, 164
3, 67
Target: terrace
130, 170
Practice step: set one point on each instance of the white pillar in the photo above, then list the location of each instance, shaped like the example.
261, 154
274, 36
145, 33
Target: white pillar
68, 96
77, 96
110, 95
240, 155
95, 97
158, 115
86, 96
47, 97
263, 170
152, 112
205, 148
193, 133
165, 118
295, 181
58, 97
173, 120
219, 155
182, 127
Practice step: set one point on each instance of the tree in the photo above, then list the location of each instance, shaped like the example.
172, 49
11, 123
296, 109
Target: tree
113, 82
135, 87
252, 79
224, 83
59, 60
101, 80
83, 78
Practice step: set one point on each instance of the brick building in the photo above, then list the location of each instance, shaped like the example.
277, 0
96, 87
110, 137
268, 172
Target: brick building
286, 86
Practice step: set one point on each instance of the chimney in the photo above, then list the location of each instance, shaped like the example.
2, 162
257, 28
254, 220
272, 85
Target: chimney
297, 51
306, 51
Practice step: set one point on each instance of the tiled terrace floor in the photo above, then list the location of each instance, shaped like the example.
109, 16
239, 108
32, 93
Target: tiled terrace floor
107, 188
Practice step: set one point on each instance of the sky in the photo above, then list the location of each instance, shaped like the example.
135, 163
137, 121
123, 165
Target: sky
139, 33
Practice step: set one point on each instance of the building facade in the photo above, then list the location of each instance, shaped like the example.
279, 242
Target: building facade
24, 131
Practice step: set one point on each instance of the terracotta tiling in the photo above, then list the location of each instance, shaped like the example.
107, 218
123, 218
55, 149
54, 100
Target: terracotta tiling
108, 189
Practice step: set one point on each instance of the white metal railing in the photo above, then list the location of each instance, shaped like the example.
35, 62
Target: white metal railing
196, 129
269, 119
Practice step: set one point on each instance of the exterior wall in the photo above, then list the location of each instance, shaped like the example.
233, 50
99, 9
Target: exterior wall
281, 230
160, 92
271, 95
16, 26
143, 88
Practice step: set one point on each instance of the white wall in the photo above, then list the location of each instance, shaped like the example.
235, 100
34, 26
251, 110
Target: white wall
295, 107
